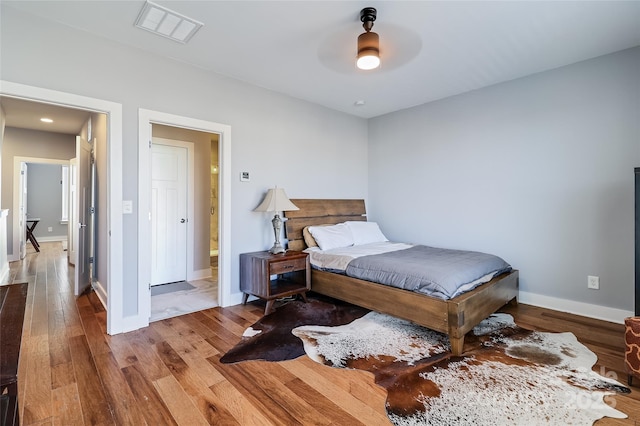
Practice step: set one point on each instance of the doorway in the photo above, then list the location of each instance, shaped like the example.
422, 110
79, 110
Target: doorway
147, 121
44, 214
181, 277
174, 294
113, 259
39, 203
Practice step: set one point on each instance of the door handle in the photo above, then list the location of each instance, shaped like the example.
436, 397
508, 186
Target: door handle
183, 220
82, 225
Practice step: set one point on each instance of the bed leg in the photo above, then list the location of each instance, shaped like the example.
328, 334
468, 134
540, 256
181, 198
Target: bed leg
513, 302
457, 343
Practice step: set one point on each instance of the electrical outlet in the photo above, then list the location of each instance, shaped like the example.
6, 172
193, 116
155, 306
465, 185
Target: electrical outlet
50, 229
593, 282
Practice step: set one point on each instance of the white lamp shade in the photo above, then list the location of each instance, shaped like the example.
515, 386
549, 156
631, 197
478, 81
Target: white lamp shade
368, 62
276, 200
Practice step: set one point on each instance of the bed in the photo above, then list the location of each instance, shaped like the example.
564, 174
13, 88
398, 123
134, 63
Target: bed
455, 316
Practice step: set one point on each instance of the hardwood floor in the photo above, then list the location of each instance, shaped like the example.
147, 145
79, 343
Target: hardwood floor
72, 373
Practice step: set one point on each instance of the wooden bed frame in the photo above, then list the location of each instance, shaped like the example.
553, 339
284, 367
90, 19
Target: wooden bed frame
455, 317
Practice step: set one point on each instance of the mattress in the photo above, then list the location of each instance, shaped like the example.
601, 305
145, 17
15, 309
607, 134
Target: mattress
437, 272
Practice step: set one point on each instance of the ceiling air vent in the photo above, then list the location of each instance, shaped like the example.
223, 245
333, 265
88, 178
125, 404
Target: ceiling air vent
167, 23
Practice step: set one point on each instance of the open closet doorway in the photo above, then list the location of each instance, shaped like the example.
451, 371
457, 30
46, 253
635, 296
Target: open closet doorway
152, 124
182, 279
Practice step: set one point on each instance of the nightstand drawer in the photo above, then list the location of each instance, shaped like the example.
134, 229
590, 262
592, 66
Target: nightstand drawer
288, 265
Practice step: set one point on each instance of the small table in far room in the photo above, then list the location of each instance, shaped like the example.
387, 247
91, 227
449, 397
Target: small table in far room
272, 276
34, 221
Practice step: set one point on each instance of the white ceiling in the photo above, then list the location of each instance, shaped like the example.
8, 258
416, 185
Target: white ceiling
26, 115
429, 49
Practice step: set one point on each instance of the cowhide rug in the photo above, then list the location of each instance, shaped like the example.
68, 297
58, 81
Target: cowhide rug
270, 338
508, 375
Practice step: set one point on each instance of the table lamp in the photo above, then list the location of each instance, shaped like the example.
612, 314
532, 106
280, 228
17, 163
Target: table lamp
276, 201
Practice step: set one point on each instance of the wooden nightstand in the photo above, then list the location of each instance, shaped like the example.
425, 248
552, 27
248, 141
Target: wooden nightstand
271, 276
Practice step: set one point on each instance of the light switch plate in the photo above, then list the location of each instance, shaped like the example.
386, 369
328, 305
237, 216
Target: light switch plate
127, 207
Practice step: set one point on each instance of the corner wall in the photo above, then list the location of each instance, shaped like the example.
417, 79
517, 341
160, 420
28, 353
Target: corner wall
538, 170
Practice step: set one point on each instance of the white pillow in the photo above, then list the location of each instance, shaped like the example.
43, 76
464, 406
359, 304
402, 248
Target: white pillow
334, 236
365, 232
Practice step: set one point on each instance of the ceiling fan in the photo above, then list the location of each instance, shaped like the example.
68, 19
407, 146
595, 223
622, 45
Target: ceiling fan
397, 46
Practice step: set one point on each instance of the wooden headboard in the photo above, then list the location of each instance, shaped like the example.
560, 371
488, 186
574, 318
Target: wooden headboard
319, 212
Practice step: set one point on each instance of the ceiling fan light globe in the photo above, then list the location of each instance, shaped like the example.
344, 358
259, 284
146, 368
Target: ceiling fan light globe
368, 60
368, 51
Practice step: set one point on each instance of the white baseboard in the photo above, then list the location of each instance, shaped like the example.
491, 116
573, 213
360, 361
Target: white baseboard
199, 275
127, 324
236, 299
578, 308
4, 272
51, 238
100, 292
131, 323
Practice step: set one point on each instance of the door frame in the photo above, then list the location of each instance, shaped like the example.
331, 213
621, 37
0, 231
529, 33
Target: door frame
145, 119
23, 187
116, 322
84, 237
16, 197
189, 271
73, 194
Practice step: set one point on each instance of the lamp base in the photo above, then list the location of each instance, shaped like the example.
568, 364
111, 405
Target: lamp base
277, 224
277, 249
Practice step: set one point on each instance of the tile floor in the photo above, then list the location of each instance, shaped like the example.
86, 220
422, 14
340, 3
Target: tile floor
204, 296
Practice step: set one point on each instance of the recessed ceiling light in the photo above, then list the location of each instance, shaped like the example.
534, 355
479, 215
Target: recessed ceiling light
167, 23
46, 120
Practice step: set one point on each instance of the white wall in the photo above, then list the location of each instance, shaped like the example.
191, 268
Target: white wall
538, 170
307, 149
44, 201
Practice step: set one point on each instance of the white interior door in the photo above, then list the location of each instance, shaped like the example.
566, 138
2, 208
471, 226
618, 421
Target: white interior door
168, 213
72, 238
83, 216
22, 203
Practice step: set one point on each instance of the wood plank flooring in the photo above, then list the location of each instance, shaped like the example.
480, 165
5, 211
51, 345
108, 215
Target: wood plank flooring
72, 373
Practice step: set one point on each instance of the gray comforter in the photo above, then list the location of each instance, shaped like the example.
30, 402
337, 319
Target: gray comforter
438, 272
